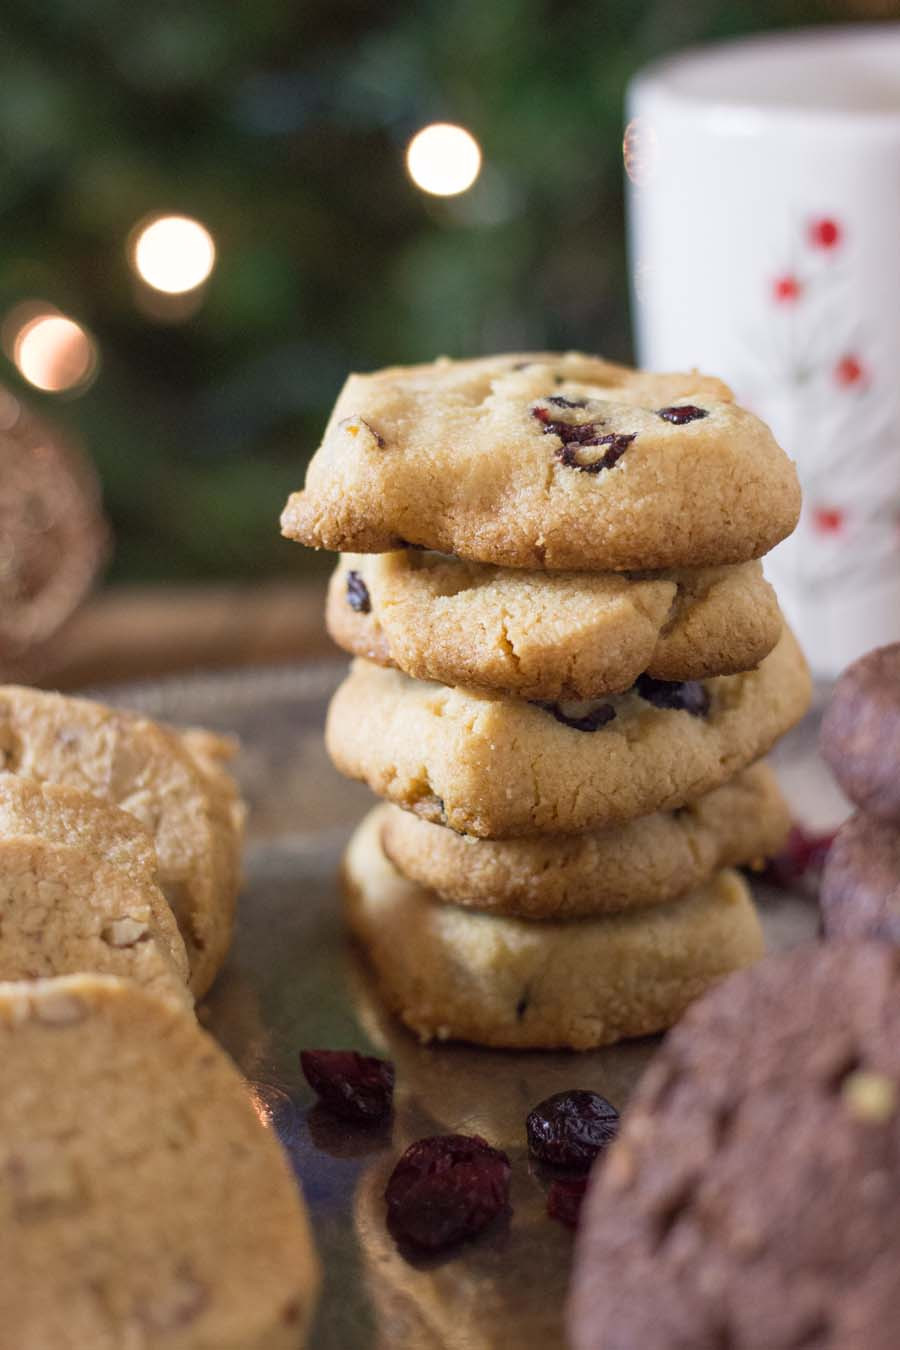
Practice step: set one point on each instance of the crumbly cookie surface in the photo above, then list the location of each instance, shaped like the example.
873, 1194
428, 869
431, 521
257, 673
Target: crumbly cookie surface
498, 768
64, 910
173, 787
132, 1157
452, 973
641, 863
546, 461
750, 1199
549, 635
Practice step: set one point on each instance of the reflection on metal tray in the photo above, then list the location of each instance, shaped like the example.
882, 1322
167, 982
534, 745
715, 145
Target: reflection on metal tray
292, 982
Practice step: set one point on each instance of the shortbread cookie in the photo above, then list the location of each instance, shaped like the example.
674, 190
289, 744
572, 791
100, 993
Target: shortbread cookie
67, 815
546, 461
499, 768
143, 1203
549, 635
63, 910
454, 974
643, 862
170, 784
860, 734
860, 890
751, 1197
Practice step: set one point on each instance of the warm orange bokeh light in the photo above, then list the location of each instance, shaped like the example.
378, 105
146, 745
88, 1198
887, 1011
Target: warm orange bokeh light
54, 353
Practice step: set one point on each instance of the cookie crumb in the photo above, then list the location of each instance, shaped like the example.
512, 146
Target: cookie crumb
870, 1097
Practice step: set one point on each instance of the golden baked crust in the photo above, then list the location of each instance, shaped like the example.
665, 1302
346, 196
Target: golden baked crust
143, 1202
549, 635
455, 974
462, 456
638, 864
500, 768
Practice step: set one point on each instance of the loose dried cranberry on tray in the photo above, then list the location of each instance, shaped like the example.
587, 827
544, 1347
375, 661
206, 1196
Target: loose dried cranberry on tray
800, 862
446, 1188
570, 1128
355, 1087
564, 1199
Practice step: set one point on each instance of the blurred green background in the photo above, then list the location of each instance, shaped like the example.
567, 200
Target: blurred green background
282, 128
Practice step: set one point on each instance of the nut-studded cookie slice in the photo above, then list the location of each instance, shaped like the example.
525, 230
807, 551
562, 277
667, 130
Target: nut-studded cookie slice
641, 863
143, 1203
173, 785
751, 1197
549, 635
63, 910
546, 461
455, 974
499, 768
67, 815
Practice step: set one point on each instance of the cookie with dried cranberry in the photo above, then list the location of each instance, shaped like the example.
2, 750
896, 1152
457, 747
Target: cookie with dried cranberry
860, 889
499, 768
549, 635
750, 1199
542, 460
860, 735
456, 974
640, 863
131, 1158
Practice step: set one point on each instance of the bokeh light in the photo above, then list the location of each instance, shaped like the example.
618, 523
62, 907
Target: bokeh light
173, 254
54, 353
443, 159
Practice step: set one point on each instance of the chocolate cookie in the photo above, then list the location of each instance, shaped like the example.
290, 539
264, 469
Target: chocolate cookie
860, 891
751, 1198
860, 735
546, 460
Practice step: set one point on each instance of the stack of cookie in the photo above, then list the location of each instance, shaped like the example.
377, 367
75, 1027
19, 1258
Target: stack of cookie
568, 664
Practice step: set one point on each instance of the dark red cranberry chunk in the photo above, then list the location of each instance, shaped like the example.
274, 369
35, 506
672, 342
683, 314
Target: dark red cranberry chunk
801, 860
564, 1200
569, 1129
581, 716
590, 456
353, 1086
446, 1188
685, 696
679, 413
358, 593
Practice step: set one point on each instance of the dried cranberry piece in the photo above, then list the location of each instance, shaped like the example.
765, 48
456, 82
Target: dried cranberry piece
679, 413
358, 593
445, 1188
684, 696
800, 861
595, 715
576, 454
579, 439
353, 1086
569, 1129
564, 1200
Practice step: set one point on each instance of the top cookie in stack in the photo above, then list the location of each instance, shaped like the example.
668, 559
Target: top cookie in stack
572, 548
544, 461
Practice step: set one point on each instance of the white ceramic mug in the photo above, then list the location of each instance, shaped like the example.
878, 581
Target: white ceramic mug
764, 187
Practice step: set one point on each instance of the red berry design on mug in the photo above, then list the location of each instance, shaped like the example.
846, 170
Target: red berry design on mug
786, 289
828, 519
825, 233
849, 371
